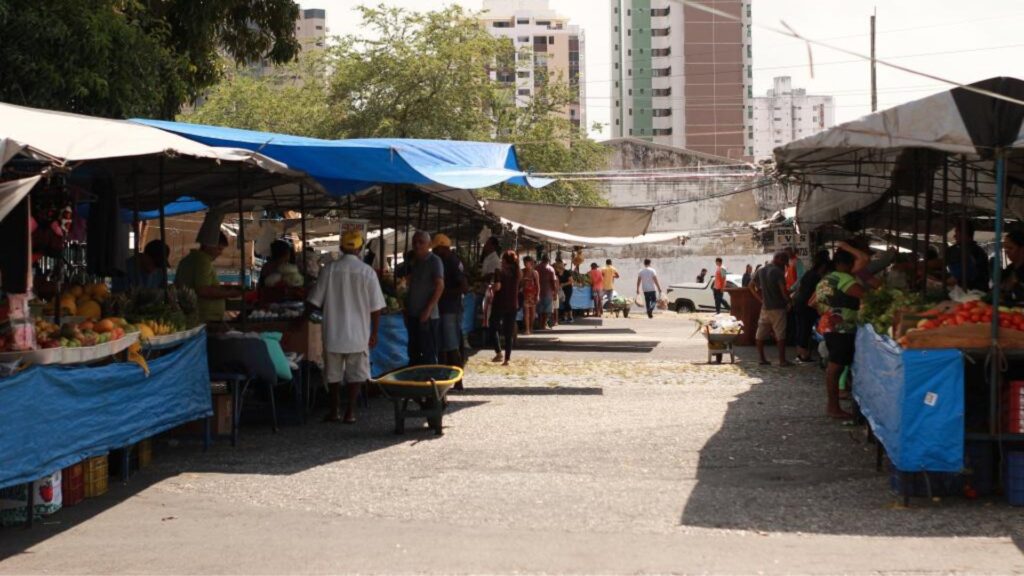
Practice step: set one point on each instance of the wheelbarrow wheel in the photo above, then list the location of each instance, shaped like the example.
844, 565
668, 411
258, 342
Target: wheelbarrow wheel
435, 424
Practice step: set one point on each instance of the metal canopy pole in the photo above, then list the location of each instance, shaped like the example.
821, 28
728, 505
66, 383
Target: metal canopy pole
381, 246
241, 245
995, 355
163, 224
136, 228
394, 253
929, 188
945, 216
302, 223
963, 221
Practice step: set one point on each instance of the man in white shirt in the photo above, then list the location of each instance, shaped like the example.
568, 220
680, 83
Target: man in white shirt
647, 281
349, 294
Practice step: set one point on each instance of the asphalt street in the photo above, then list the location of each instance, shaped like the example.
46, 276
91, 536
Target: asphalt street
602, 449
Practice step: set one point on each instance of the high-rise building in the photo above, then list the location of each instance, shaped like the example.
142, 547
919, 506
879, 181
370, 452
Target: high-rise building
311, 28
547, 48
682, 76
786, 114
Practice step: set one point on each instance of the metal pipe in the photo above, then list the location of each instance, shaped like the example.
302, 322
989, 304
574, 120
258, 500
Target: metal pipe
997, 277
945, 216
241, 246
394, 253
302, 223
380, 245
963, 221
929, 193
163, 224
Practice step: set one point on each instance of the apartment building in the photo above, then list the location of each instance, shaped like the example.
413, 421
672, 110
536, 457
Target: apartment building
548, 48
682, 76
786, 114
311, 28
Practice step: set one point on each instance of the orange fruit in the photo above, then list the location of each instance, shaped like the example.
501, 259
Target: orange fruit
104, 326
90, 309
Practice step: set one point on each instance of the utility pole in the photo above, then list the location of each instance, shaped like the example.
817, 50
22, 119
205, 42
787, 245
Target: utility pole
874, 86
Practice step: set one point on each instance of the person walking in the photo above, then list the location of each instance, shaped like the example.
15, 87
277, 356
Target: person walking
770, 289
548, 291
450, 306
422, 317
718, 284
609, 274
348, 294
596, 283
647, 282
747, 276
505, 283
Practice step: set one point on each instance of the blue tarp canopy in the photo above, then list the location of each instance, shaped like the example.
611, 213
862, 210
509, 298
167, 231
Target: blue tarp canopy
183, 205
344, 167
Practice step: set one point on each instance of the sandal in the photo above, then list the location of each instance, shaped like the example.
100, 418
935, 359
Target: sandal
330, 418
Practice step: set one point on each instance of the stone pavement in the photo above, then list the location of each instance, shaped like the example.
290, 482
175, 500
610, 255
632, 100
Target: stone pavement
566, 462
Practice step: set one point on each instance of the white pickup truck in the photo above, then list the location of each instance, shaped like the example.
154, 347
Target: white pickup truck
697, 296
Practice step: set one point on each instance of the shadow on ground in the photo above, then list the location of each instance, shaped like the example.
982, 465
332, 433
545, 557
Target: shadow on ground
778, 465
260, 451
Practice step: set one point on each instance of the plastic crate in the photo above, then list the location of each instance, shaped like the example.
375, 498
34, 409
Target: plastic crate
1014, 480
72, 484
1013, 407
97, 476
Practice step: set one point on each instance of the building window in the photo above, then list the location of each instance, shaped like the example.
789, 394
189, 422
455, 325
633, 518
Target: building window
629, 12
661, 112
523, 74
661, 51
543, 23
551, 39
661, 131
748, 9
616, 121
523, 92
748, 30
616, 83
660, 31
502, 24
629, 72
750, 72
616, 66
616, 103
660, 11
641, 90
629, 32
629, 52
523, 39
630, 111
814, 118
615, 9
319, 27
750, 91
630, 91
750, 150
776, 119
522, 20
750, 112
750, 51
616, 28
661, 92
661, 72
630, 131
643, 131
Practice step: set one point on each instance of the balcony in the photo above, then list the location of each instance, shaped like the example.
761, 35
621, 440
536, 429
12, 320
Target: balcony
655, 12
661, 52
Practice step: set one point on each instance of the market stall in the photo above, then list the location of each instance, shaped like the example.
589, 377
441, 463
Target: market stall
906, 177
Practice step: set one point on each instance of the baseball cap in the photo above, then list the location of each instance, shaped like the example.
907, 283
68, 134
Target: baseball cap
352, 240
441, 240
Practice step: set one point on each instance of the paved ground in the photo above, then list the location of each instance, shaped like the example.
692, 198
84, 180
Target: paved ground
590, 462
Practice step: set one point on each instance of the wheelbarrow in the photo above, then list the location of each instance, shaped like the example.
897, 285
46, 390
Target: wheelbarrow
426, 386
720, 344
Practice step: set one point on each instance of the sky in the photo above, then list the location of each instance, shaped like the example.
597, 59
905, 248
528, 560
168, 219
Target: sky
953, 39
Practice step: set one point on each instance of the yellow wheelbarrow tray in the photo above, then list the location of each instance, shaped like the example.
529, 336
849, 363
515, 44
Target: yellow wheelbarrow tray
426, 385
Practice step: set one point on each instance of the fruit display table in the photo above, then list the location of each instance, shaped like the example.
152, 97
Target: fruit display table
913, 400
56, 416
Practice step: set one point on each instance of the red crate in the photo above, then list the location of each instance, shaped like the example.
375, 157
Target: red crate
1013, 408
72, 484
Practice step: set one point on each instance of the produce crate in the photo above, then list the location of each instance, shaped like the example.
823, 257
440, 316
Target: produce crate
1013, 407
965, 336
1014, 479
72, 484
97, 477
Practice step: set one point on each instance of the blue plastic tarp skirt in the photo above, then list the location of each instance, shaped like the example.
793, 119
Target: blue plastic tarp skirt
469, 303
582, 298
56, 416
914, 401
392, 349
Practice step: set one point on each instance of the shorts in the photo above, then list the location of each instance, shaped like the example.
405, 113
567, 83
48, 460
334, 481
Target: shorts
544, 306
840, 347
352, 367
451, 332
771, 321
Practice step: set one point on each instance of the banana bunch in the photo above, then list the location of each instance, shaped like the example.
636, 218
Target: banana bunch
158, 328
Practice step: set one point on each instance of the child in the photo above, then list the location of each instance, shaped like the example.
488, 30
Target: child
531, 292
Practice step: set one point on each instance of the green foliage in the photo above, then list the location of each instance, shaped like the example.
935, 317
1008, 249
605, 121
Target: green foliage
417, 75
122, 58
291, 99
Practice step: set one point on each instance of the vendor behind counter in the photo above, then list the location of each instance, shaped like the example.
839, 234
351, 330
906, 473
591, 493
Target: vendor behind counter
196, 271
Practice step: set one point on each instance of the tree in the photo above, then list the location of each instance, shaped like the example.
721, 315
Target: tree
123, 58
291, 99
415, 75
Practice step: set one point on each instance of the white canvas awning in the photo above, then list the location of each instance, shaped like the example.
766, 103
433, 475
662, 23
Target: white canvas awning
848, 169
573, 221
672, 237
12, 192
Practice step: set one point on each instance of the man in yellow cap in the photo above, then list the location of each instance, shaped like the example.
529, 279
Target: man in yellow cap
349, 294
450, 305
